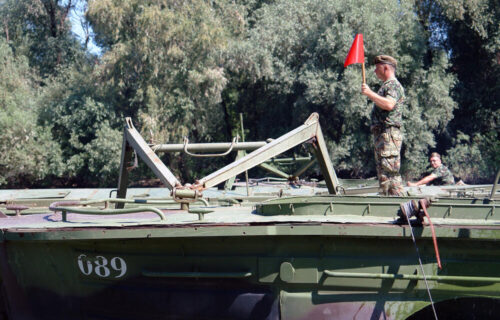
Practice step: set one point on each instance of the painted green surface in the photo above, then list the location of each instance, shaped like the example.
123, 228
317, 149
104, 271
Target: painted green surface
481, 209
340, 254
295, 267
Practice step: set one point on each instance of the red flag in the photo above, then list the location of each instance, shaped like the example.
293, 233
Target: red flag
357, 52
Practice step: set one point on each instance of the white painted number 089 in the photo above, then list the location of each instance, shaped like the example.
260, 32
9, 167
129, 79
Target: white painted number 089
101, 267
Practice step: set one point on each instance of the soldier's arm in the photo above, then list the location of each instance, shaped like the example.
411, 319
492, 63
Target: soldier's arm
423, 181
385, 103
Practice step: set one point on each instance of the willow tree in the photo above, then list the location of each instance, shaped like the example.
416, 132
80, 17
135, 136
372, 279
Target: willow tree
41, 31
84, 125
28, 153
293, 65
162, 64
188, 67
162, 60
472, 39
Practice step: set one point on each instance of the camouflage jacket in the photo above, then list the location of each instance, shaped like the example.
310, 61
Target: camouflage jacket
383, 118
443, 176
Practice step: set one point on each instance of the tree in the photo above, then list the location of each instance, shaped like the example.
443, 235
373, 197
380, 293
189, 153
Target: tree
188, 68
162, 64
84, 126
40, 30
469, 31
293, 66
28, 153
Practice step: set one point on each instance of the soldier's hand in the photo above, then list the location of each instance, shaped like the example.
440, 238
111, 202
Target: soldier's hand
365, 89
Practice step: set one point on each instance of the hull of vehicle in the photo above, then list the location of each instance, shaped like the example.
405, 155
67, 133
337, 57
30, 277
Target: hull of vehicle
246, 271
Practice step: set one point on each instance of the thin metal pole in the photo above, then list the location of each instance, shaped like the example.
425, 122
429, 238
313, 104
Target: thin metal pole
243, 139
495, 185
404, 276
208, 147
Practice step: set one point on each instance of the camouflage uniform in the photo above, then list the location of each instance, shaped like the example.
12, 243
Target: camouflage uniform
387, 138
443, 176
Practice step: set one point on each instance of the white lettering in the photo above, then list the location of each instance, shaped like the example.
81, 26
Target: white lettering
101, 269
87, 271
100, 266
122, 266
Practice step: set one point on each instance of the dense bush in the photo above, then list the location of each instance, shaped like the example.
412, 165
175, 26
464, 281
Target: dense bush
189, 68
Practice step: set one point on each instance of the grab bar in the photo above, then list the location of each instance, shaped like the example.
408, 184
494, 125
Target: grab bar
402, 276
224, 275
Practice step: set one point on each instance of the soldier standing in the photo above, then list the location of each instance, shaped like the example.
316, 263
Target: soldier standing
386, 122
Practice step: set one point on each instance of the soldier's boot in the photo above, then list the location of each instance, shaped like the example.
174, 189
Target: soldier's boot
384, 185
396, 186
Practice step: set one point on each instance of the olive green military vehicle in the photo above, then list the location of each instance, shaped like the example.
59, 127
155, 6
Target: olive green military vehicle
293, 252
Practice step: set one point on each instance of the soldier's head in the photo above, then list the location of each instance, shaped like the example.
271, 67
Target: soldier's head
385, 67
435, 160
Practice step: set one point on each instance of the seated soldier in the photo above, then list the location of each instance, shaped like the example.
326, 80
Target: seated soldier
440, 176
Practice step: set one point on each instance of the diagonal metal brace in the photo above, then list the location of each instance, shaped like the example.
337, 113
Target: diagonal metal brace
310, 130
132, 140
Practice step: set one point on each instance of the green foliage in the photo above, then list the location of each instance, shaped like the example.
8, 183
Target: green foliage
162, 65
39, 29
430, 109
482, 150
189, 68
475, 24
469, 31
460, 156
102, 155
295, 65
163, 61
83, 127
28, 153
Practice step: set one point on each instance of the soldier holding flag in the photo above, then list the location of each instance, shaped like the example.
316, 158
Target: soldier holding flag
386, 117
386, 122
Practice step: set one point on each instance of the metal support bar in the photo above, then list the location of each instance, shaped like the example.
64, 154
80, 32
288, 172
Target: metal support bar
495, 185
229, 183
325, 163
149, 156
123, 177
274, 170
290, 160
309, 130
225, 275
209, 147
403, 276
105, 212
299, 172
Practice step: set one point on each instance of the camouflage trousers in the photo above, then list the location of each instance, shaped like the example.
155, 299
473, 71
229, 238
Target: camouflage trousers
388, 143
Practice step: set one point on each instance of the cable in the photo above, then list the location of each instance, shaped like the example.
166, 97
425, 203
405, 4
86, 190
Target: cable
422, 267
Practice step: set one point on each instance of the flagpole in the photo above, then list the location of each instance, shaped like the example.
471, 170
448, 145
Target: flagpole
363, 72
